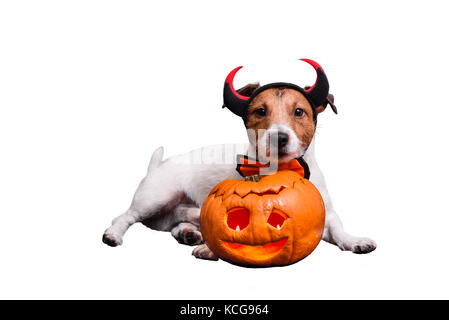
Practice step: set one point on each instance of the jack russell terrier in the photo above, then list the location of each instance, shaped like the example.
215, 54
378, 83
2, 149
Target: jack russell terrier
280, 119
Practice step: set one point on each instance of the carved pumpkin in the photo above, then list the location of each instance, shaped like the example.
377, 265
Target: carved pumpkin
276, 221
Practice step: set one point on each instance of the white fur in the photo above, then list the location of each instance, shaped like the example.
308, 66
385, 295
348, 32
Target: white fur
170, 196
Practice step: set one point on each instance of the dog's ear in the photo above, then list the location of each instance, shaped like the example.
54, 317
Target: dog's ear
329, 101
247, 90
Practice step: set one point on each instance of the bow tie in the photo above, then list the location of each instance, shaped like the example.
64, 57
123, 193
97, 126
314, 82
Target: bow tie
249, 167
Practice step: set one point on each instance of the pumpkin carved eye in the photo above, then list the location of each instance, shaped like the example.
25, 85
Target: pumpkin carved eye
276, 219
237, 218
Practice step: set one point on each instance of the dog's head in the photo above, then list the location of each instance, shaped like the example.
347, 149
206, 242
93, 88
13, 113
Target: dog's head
281, 119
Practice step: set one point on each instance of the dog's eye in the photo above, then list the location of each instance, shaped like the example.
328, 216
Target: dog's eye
299, 112
261, 112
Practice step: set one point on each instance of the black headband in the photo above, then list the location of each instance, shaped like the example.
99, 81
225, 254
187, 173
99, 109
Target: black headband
315, 95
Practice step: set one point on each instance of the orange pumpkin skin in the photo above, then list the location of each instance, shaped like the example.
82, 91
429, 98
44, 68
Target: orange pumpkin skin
259, 207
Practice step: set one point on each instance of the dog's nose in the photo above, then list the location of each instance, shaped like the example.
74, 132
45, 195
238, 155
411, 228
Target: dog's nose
282, 139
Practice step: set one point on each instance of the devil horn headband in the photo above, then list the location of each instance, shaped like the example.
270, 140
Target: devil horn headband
238, 103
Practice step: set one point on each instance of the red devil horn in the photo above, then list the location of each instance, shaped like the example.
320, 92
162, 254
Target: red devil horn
234, 101
319, 91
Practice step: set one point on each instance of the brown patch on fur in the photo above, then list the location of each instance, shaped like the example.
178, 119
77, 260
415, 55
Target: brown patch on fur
280, 105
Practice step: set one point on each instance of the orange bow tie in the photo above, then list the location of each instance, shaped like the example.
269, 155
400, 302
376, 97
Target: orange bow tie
248, 167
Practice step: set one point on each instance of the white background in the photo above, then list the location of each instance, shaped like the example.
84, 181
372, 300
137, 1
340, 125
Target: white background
88, 89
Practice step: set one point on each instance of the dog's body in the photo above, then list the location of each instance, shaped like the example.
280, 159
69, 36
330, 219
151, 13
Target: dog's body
169, 198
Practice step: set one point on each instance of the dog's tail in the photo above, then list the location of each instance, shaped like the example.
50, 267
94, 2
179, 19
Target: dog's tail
156, 159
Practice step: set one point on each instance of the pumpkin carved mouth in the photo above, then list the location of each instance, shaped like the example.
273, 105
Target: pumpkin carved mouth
256, 252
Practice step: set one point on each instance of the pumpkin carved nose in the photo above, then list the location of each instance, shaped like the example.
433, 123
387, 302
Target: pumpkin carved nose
237, 218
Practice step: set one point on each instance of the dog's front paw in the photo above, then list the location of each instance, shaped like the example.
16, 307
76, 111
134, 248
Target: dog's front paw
203, 252
357, 245
112, 240
363, 245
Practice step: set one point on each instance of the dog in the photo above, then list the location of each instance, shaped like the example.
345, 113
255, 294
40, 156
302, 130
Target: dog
169, 198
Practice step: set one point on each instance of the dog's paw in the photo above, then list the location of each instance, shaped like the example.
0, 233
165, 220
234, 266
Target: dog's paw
363, 245
189, 237
112, 240
358, 245
186, 233
203, 252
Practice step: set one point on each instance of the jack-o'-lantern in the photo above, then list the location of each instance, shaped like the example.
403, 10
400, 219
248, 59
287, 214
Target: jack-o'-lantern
275, 221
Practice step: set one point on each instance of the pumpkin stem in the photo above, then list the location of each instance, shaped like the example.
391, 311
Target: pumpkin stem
254, 178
